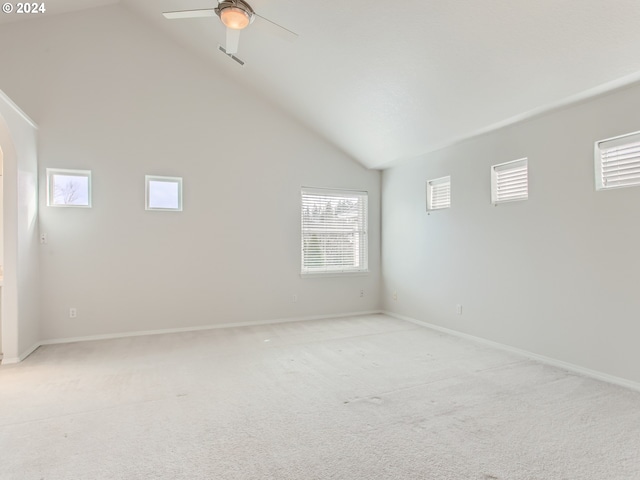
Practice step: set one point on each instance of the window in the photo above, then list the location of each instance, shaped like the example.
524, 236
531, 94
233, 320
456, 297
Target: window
163, 193
68, 188
617, 162
439, 193
510, 181
334, 231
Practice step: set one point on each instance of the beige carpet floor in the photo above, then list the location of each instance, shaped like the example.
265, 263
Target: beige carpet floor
355, 398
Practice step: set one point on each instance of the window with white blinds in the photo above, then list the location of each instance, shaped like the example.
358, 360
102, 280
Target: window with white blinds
334, 231
439, 193
618, 162
510, 181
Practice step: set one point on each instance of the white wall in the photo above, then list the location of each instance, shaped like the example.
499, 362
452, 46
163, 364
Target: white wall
1, 216
557, 275
113, 95
20, 291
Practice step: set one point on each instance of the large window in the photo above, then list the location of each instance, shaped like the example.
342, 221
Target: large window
618, 162
334, 231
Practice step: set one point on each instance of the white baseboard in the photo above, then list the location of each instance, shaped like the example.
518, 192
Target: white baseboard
623, 382
109, 336
524, 353
23, 355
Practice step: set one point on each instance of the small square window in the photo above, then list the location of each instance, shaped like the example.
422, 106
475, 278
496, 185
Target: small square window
68, 188
163, 193
439, 193
510, 181
617, 162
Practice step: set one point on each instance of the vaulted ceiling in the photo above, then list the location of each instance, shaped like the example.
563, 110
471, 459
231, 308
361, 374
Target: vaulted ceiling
388, 81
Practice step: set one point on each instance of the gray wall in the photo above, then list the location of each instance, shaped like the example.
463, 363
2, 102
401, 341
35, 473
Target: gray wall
556, 275
115, 96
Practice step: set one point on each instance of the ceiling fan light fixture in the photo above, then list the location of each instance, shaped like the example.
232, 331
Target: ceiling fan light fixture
235, 18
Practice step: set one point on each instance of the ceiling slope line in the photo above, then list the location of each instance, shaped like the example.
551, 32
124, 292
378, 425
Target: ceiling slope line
572, 100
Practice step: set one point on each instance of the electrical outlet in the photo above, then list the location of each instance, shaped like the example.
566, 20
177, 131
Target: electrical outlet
459, 309
294, 298
395, 296
361, 293
73, 312
43, 238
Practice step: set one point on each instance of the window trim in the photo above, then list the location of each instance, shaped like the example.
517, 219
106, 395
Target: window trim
494, 180
52, 172
430, 185
618, 141
160, 178
364, 242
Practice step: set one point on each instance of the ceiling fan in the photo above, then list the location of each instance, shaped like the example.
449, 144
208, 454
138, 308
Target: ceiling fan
236, 15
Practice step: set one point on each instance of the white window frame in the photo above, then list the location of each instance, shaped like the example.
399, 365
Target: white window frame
432, 188
52, 172
610, 147
361, 248
158, 178
507, 167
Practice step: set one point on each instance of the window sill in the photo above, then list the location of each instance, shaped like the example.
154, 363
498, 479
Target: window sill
334, 274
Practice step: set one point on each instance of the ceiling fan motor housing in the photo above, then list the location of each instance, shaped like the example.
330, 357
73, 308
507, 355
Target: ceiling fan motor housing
236, 14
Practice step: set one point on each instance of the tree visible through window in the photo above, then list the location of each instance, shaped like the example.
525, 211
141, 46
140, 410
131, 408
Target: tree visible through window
334, 231
68, 188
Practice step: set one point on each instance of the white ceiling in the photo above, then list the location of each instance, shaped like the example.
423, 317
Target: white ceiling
387, 81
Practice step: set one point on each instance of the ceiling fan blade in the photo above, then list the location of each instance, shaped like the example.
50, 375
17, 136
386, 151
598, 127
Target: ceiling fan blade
278, 30
205, 12
233, 39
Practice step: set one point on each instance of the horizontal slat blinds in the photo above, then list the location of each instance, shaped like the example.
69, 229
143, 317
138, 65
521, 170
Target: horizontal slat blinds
439, 193
334, 231
510, 181
620, 161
